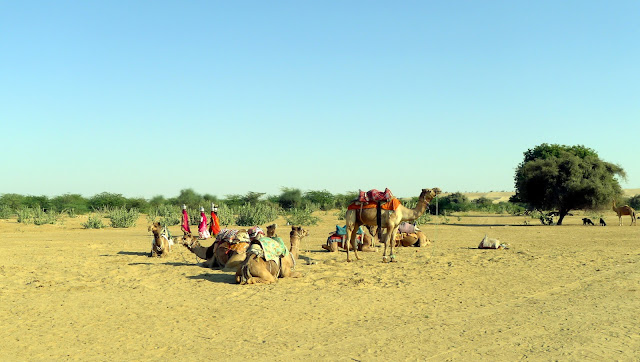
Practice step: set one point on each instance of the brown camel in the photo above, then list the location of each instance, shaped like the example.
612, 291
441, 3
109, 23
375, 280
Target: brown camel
365, 242
624, 210
257, 269
271, 230
225, 252
391, 219
417, 238
162, 241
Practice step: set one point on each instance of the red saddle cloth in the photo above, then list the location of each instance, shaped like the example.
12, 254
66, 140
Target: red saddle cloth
375, 195
391, 205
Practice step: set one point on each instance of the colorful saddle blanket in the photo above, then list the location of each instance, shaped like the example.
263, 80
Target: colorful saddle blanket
375, 195
272, 248
232, 236
407, 228
342, 230
391, 205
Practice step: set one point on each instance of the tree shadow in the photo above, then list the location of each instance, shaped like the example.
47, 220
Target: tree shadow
484, 225
216, 278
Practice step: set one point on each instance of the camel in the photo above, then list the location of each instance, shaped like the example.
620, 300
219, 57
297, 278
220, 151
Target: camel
365, 242
624, 210
271, 230
418, 239
162, 241
257, 269
228, 251
390, 219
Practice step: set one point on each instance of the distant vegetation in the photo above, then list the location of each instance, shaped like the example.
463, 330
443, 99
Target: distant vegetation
252, 208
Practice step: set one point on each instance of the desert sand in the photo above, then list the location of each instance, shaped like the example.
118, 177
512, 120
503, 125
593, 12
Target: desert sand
569, 292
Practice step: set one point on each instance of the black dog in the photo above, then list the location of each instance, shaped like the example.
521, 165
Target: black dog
587, 221
602, 223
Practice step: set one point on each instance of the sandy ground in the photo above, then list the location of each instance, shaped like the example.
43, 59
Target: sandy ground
568, 292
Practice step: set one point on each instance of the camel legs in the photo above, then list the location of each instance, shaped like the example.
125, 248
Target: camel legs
389, 240
287, 268
352, 232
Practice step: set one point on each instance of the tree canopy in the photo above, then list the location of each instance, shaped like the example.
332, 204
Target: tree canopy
566, 178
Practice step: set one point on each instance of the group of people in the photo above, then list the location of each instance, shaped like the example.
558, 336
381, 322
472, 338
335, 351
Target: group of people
205, 230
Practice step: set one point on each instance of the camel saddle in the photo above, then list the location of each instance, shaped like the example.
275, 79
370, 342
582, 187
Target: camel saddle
232, 236
271, 248
375, 196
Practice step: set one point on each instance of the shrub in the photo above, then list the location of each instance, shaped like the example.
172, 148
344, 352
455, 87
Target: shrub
341, 213
123, 218
167, 215
302, 217
5, 212
258, 214
36, 216
93, 222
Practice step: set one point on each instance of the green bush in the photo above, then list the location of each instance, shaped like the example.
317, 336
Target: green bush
5, 212
93, 222
167, 215
258, 214
37, 216
123, 218
302, 217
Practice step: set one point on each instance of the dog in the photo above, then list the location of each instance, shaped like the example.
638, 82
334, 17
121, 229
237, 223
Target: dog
602, 223
587, 221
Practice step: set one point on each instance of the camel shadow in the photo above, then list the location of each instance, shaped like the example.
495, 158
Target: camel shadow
135, 253
216, 278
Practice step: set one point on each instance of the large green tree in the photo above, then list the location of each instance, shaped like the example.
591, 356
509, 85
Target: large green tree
566, 178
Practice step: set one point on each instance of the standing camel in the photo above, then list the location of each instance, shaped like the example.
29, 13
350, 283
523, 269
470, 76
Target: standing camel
624, 210
391, 219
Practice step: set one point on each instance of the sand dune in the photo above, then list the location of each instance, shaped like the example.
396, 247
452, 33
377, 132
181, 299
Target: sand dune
570, 292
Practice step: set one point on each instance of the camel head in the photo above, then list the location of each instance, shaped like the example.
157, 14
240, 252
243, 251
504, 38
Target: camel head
271, 230
429, 194
189, 240
298, 231
155, 227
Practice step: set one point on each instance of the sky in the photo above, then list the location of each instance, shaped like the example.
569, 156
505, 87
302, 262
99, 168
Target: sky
146, 98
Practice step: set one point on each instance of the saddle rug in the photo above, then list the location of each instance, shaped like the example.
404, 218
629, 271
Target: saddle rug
375, 195
272, 248
232, 236
391, 205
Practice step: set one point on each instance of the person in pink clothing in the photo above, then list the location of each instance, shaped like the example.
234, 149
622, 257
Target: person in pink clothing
203, 230
185, 221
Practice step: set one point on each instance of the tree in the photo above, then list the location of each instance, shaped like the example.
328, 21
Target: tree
324, 199
290, 198
566, 178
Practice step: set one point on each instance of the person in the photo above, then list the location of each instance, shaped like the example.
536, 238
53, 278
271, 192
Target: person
214, 227
185, 220
202, 228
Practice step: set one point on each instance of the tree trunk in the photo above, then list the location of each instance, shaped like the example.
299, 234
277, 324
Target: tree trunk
563, 213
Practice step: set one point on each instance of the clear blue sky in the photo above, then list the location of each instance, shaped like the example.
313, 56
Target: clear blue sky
146, 98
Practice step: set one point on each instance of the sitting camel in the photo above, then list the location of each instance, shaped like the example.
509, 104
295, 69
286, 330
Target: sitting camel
227, 251
390, 219
337, 240
268, 259
271, 230
624, 210
162, 241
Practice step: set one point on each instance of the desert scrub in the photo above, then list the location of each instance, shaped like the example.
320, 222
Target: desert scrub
37, 216
302, 217
123, 218
258, 214
5, 212
166, 215
93, 222
225, 215
341, 213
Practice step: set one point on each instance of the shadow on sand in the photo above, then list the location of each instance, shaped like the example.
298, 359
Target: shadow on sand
135, 253
216, 278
